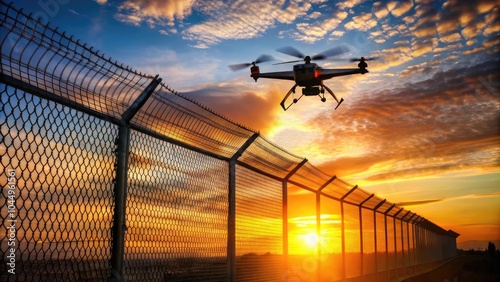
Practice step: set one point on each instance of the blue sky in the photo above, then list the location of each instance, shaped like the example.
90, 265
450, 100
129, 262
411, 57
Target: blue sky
423, 121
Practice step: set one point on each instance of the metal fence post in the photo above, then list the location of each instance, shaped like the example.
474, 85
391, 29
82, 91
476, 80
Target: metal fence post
231, 218
120, 190
408, 237
284, 192
415, 247
342, 224
375, 235
387, 241
418, 242
361, 244
318, 223
403, 243
395, 217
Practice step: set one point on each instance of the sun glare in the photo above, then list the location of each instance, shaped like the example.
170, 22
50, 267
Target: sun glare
311, 239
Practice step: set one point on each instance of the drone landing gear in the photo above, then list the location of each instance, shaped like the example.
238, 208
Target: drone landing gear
323, 99
295, 100
321, 94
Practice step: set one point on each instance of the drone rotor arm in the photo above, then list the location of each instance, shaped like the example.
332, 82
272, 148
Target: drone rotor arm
288, 62
284, 75
329, 73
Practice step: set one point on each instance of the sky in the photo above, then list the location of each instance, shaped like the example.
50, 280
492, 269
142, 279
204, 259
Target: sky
422, 129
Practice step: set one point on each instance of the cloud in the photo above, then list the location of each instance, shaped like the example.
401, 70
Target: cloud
243, 20
492, 42
402, 8
432, 201
465, 15
176, 69
450, 38
315, 15
234, 20
447, 123
386, 32
400, 54
153, 9
418, 203
348, 4
419, 69
380, 10
253, 109
303, 221
167, 32
363, 22
129, 19
477, 196
313, 32
74, 12
337, 33
423, 46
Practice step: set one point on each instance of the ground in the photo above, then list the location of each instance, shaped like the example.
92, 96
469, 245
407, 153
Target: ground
467, 267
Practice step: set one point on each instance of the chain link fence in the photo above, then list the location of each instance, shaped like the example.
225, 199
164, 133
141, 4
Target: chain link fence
109, 175
62, 168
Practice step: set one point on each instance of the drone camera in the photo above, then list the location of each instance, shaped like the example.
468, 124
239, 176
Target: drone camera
310, 91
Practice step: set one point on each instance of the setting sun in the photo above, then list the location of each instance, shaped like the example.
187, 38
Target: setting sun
311, 239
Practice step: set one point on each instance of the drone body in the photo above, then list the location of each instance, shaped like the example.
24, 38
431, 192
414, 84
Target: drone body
307, 75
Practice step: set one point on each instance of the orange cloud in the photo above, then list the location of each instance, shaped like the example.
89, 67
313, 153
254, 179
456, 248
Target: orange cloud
454, 37
255, 110
363, 22
445, 124
157, 9
421, 47
418, 203
402, 8
380, 11
314, 32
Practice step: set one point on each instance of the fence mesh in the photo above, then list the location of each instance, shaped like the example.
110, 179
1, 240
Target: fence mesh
54, 62
259, 222
205, 199
180, 119
268, 157
331, 240
176, 213
62, 166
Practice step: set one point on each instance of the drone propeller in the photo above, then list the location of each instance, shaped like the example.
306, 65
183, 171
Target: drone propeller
288, 62
331, 53
364, 59
289, 50
260, 59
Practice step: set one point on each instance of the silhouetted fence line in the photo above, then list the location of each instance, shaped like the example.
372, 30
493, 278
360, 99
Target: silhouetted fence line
109, 174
